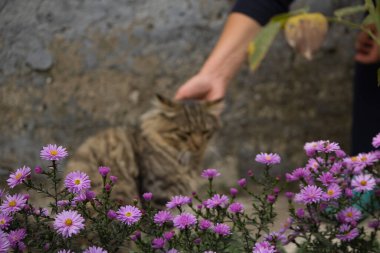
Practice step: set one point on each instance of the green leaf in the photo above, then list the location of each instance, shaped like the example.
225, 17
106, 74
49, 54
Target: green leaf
369, 19
283, 17
261, 44
350, 10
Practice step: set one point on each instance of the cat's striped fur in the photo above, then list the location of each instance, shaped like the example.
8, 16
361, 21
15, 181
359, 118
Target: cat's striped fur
162, 154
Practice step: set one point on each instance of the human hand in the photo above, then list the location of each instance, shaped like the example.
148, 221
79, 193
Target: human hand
202, 87
367, 50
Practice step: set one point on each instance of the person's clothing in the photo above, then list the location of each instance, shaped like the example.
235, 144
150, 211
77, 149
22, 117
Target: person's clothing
366, 107
366, 102
261, 10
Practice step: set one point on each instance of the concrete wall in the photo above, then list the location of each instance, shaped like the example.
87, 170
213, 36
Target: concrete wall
71, 68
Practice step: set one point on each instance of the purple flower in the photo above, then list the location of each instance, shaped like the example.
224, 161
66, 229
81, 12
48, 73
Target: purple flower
52, 152
4, 242
111, 214
276, 237
168, 235
233, 192
210, 173
129, 214
95, 249
298, 174
222, 229
205, 224
236, 208
329, 147
13, 203
300, 213
346, 233
350, 214
68, 223
103, 171
333, 192
376, 141
217, 200
263, 247
148, 196
312, 147
242, 182
19, 176
172, 251
289, 195
363, 182
309, 194
326, 178
136, 236
268, 159
64, 251
271, 199
178, 201
38, 170
184, 220
77, 181
15, 237
4, 221
62, 203
158, 243
162, 217
113, 179
375, 224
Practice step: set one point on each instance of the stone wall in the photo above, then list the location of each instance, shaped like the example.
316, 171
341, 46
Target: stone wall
71, 68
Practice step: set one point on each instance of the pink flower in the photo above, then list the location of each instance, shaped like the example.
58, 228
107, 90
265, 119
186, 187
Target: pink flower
233, 192
349, 214
376, 141
15, 237
148, 196
346, 233
298, 174
129, 214
4, 242
77, 182
312, 147
236, 208
329, 147
333, 192
68, 223
95, 249
52, 152
326, 178
222, 229
363, 182
103, 171
38, 170
162, 217
309, 194
178, 201
4, 221
13, 203
268, 159
205, 224
217, 200
184, 220
19, 176
158, 243
210, 173
264, 247
242, 182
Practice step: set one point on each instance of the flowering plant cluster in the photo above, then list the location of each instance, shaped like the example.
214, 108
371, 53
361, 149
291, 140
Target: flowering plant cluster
336, 193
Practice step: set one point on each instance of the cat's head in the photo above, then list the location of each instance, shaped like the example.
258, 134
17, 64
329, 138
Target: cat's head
185, 125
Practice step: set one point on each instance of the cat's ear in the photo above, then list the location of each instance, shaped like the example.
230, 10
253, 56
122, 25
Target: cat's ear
215, 107
163, 102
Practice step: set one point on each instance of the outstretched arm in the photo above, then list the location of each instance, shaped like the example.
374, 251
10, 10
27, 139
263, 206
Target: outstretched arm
211, 81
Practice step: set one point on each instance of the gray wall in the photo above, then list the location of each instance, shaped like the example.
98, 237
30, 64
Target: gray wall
69, 68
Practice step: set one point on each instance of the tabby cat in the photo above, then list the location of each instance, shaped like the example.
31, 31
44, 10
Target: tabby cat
162, 154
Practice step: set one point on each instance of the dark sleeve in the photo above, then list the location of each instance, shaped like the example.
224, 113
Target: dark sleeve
261, 10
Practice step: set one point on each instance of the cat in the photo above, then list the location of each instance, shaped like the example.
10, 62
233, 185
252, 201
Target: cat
162, 154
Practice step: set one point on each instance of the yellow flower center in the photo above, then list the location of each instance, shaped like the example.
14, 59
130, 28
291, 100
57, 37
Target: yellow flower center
18, 175
77, 181
54, 152
354, 158
2, 221
12, 203
363, 183
349, 214
68, 222
267, 157
364, 158
128, 214
330, 192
